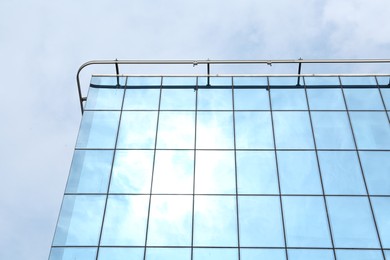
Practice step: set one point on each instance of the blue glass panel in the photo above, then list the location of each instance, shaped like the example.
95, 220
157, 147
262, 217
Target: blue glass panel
251, 99
383, 80
352, 222
132, 172
359, 254
386, 97
89, 172
104, 98
178, 99
256, 172
125, 220
293, 130
98, 130
372, 130
288, 99
376, 168
215, 221
214, 172
322, 81
218, 81
250, 81
326, 99
298, 173
310, 254
363, 99
214, 130
141, 99
283, 81
382, 213
143, 81
80, 220
137, 130
261, 227
176, 130
332, 130
69, 253
168, 253
341, 173
387, 254
179, 81
356, 81
215, 99
173, 172
120, 253
108, 81
256, 254
215, 253
253, 130
170, 221
306, 222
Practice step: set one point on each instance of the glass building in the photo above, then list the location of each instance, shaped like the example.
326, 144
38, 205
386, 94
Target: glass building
229, 167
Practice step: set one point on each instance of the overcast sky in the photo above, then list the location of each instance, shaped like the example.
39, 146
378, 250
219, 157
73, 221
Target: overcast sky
42, 44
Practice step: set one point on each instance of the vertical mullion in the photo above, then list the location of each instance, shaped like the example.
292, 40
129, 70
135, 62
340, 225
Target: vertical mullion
277, 168
319, 169
235, 171
193, 180
112, 166
362, 171
154, 160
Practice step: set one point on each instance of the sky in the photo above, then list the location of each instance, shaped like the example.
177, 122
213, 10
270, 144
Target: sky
43, 43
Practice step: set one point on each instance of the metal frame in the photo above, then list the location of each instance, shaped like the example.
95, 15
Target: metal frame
224, 62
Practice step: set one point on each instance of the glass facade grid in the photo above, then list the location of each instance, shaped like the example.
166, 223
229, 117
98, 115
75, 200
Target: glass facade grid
247, 168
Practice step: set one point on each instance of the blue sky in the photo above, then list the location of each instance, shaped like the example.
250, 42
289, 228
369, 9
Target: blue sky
42, 44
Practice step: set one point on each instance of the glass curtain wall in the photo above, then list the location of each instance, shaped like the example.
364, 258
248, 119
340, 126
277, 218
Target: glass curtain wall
229, 168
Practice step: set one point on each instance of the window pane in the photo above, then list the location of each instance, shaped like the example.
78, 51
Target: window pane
256, 172
322, 81
386, 97
250, 81
120, 253
132, 172
176, 130
256, 254
359, 254
104, 98
376, 168
214, 130
69, 253
215, 253
168, 253
293, 130
215, 99
263, 226
143, 81
363, 99
90, 171
214, 172
310, 254
326, 99
288, 99
306, 222
141, 99
179, 81
358, 81
98, 130
298, 173
125, 220
341, 173
137, 130
332, 130
251, 99
371, 129
283, 81
215, 221
170, 222
382, 213
352, 222
80, 220
107, 81
253, 130
173, 172
178, 99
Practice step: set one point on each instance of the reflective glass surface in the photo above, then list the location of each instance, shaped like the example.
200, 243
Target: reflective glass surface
376, 167
363, 99
120, 253
381, 207
255, 254
325, 99
215, 253
359, 254
75, 253
251, 99
288, 99
104, 98
308, 254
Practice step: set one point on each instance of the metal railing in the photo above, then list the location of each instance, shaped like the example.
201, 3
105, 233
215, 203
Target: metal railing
209, 63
